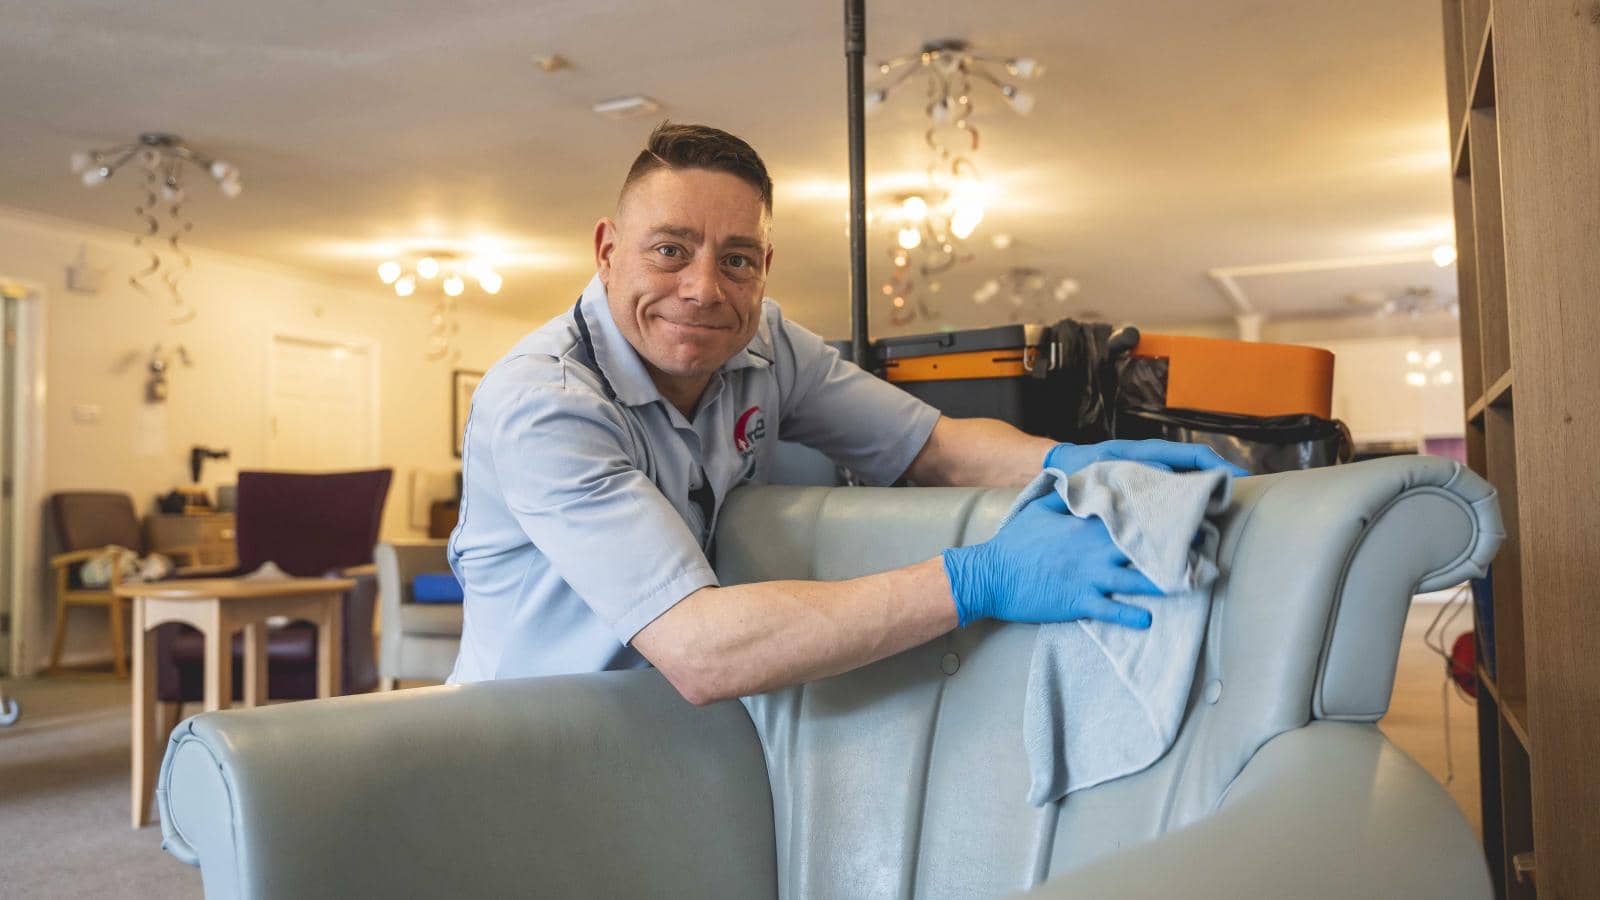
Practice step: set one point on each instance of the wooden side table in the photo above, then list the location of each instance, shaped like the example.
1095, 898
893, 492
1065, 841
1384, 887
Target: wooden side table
218, 607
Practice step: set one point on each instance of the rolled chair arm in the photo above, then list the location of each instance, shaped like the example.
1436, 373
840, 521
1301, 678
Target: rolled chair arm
1331, 810
73, 557
590, 785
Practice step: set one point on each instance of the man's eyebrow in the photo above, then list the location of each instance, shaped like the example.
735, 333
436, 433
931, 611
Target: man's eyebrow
694, 236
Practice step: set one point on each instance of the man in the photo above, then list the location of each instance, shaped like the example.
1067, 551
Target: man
599, 451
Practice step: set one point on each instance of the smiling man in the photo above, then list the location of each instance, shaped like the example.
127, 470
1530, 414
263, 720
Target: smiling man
599, 450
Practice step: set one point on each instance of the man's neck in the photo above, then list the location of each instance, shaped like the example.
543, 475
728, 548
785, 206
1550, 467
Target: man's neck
683, 392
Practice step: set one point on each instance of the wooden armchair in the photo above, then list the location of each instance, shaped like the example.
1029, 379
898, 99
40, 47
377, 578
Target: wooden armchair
89, 523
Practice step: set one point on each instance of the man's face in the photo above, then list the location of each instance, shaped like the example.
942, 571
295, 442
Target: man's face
685, 267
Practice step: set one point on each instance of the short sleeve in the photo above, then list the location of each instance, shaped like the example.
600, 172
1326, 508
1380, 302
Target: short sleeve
861, 422
562, 461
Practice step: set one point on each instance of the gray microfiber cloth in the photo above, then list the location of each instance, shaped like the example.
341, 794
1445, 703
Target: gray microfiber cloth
1103, 700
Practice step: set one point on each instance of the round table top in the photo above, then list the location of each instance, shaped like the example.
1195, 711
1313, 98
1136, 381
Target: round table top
208, 588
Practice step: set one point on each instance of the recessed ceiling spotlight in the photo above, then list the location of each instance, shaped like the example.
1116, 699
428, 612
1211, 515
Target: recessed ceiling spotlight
626, 107
555, 62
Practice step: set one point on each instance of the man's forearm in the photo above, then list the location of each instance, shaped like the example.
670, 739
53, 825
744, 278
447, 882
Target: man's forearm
727, 642
978, 453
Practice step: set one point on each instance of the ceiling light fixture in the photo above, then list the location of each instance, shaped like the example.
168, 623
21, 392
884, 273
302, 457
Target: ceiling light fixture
165, 159
631, 107
1026, 289
932, 224
452, 271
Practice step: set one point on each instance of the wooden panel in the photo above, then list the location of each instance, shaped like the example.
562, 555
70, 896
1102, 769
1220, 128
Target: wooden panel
1475, 448
1467, 292
1474, 21
1456, 73
1548, 95
1489, 249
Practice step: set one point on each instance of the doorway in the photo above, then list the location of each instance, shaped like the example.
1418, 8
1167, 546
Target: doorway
21, 473
322, 403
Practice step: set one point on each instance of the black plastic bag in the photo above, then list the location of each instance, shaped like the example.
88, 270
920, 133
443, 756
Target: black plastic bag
1260, 444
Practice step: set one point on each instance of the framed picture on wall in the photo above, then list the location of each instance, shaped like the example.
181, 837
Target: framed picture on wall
462, 383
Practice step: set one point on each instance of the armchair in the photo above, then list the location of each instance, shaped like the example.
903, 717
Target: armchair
309, 525
903, 778
419, 640
87, 524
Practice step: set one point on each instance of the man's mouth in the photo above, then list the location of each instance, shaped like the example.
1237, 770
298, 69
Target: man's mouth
697, 326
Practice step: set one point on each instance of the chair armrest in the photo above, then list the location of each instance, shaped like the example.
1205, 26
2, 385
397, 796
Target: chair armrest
589, 785
1331, 810
73, 557
355, 571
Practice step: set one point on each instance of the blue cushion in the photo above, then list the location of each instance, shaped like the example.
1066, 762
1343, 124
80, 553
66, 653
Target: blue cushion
436, 587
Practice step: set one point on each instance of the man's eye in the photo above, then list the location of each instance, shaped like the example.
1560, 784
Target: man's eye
670, 251
737, 261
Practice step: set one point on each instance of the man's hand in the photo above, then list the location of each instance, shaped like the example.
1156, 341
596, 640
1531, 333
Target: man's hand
1046, 565
1167, 455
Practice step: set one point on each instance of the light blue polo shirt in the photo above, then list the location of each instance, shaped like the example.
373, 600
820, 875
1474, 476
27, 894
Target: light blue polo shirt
589, 500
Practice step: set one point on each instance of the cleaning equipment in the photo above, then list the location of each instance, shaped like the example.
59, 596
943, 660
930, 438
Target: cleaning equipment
986, 372
1105, 701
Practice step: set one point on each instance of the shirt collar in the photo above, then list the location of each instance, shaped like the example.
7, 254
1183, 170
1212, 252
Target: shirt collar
620, 363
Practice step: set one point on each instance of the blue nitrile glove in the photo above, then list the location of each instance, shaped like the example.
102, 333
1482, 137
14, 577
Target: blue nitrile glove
1046, 565
1169, 456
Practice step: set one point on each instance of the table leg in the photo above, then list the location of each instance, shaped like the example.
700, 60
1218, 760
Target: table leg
255, 664
328, 644
218, 655
146, 738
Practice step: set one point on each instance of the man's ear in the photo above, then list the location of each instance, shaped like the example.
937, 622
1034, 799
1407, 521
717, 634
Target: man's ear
605, 244
766, 268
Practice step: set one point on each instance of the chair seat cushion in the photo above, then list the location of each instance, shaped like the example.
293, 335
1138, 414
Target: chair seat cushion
443, 619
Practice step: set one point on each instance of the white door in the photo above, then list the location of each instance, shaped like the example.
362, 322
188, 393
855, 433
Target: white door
323, 404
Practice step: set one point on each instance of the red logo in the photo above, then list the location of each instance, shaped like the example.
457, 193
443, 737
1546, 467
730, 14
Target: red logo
751, 427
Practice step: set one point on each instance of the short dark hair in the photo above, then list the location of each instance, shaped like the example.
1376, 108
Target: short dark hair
701, 147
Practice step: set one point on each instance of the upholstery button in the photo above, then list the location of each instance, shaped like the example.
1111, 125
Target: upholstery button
949, 663
1213, 691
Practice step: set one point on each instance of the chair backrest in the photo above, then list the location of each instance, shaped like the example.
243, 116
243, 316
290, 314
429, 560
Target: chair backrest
909, 776
89, 519
309, 524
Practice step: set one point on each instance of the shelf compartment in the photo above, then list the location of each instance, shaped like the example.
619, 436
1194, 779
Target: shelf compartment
1467, 291
1489, 250
1500, 457
1516, 806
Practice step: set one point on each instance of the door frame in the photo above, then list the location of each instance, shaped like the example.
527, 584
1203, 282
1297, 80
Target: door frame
26, 582
366, 344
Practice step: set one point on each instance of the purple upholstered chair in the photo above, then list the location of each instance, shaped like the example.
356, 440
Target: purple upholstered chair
310, 526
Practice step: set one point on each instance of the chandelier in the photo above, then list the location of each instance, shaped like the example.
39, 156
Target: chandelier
165, 160
451, 271
932, 224
1028, 291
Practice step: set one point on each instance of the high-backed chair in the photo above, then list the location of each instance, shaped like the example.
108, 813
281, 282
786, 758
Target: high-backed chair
420, 640
87, 524
309, 525
906, 778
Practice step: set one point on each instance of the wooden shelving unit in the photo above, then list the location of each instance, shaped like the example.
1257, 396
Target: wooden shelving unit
1523, 89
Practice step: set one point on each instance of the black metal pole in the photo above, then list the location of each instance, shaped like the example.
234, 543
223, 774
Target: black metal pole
855, 51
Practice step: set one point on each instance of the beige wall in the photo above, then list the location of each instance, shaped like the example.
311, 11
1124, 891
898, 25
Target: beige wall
96, 347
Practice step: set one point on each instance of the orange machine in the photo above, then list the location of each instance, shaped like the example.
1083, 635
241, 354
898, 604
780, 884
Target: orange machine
1243, 377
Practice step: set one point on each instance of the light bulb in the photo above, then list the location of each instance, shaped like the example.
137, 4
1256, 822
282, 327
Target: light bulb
490, 281
939, 110
1434, 358
1024, 67
1444, 255
1021, 101
389, 271
97, 175
1445, 377
1413, 357
230, 188
986, 291
910, 238
1416, 379
914, 208
454, 285
81, 161
406, 286
222, 171
427, 267
966, 219
899, 302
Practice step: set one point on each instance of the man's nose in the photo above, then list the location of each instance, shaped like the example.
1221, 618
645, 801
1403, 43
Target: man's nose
700, 281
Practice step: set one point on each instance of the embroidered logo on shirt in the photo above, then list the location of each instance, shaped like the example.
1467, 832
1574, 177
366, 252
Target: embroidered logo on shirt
751, 427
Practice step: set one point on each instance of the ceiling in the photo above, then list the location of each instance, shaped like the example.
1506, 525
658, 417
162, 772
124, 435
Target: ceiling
1169, 138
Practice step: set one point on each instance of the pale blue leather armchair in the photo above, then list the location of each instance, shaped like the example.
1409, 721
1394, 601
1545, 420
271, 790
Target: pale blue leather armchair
905, 778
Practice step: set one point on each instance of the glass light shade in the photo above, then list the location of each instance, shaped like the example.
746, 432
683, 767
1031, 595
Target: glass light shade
389, 272
454, 285
490, 281
910, 238
873, 100
406, 286
1445, 377
965, 221
1024, 67
1433, 358
94, 176
1444, 255
230, 188
1021, 101
222, 171
986, 291
427, 267
1414, 357
914, 208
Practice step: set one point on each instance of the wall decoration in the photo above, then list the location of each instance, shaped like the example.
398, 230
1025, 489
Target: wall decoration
462, 383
